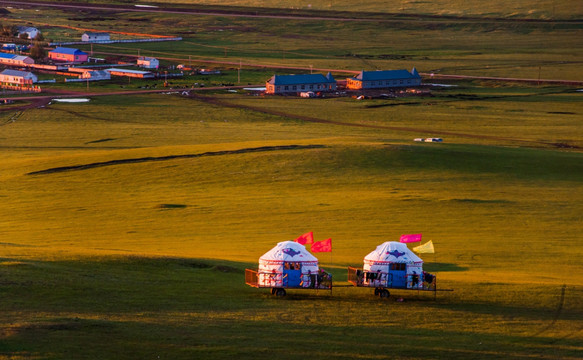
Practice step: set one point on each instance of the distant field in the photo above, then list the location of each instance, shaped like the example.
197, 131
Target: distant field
506, 48
534, 9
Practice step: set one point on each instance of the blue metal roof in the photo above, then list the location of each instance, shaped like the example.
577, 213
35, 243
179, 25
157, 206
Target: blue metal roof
6, 55
300, 79
387, 75
68, 51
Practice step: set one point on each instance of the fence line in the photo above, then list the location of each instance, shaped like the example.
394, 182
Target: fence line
33, 88
114, 41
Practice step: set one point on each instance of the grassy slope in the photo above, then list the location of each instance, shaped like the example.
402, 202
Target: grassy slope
505, 222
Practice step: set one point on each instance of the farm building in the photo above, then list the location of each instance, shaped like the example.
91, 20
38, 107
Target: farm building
383, 79
9, 47
68, 55
15, 77
95, 36
95, 75
16, 60
286, 84
131, 73
148, 62
31, 32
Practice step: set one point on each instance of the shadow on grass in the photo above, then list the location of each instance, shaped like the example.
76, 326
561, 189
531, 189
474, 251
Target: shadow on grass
442, 267
201, 308
290, 337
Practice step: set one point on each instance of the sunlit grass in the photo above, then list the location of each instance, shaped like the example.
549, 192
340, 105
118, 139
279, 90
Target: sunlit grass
146, 259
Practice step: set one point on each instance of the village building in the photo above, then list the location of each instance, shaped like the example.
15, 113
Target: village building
96, 75
131, 73
68, 55
289, 84
90, 74
95, 36
9, 47
17, 78
148, 62
15, 60
31, 32
383, 79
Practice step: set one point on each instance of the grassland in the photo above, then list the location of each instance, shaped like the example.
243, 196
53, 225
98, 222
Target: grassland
465, 46
145, 259
528, 9
115, 261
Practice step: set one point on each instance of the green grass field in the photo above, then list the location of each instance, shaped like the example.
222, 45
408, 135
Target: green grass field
138, 249
146, 259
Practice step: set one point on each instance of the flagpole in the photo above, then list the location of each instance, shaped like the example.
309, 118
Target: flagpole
331, 280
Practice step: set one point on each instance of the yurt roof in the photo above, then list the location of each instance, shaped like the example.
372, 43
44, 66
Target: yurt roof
392, 252
288, 251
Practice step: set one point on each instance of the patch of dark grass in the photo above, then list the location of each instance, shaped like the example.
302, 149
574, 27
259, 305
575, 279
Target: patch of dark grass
172, 206
100, 141
438, 267
482, 201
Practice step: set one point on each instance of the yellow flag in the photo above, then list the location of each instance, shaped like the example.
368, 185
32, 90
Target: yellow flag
426, 248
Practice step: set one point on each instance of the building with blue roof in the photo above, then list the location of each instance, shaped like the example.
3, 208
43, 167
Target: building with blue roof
15, 60
289, 84
383, 79
68, 55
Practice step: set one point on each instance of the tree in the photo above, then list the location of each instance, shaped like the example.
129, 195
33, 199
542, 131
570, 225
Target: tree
38, 52
8, 30
39, 37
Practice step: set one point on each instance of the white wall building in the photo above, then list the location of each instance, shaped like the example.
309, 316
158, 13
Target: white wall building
95, 36
148, 62
16, 77
32, 32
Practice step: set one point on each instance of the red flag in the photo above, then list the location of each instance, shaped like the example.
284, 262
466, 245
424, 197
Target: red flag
322, 246
410, 238
307, 238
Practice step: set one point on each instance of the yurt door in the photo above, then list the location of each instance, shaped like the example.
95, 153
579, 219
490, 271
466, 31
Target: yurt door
398, 274
292, 274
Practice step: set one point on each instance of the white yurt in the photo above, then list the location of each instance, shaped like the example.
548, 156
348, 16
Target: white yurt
392, 264
288, 264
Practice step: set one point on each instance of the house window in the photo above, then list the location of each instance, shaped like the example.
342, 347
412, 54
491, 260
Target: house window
286, 87
303, 87
294, 87
311, 87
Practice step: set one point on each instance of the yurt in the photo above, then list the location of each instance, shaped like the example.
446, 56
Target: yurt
287, 265
393, 265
